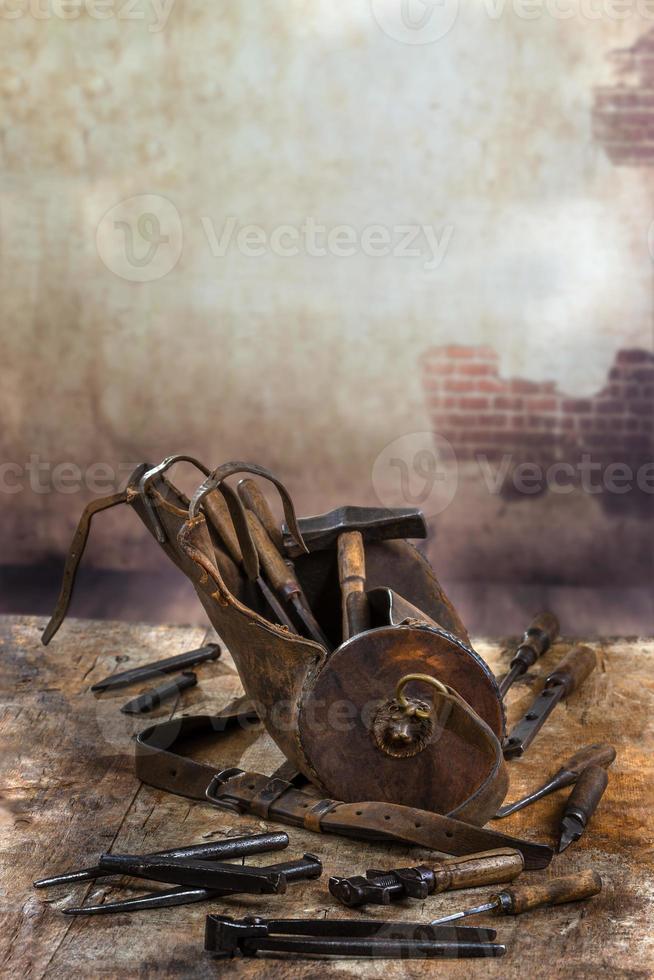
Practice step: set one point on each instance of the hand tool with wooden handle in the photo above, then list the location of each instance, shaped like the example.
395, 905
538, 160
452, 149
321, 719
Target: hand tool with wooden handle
600, 754
349, 528
283, 579
469, 871
523, 898
537, 639
218, 516
581, 804
563, 680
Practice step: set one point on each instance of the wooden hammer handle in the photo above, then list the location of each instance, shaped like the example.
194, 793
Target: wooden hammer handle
352, 578
573, 670
217, 514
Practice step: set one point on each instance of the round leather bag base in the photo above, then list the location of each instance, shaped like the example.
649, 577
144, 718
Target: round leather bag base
337, 719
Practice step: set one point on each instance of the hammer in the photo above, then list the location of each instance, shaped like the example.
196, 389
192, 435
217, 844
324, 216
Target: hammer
349, 528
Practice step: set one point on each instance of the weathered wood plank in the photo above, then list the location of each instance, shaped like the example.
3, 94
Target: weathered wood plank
69, 792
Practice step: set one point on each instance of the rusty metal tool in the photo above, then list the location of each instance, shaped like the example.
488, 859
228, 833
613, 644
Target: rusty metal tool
600, 754
570, 673
196, 874
309, 866
149, 700
522, 898
537, 639
231, 847
349, 528
218, 517
581, 804
470, 871
169, 665
226, 937
283, 579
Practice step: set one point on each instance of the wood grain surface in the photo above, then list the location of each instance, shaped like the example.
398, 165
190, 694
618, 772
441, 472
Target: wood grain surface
68, 793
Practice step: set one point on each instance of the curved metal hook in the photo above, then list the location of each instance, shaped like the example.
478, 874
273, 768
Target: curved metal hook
214, 480
159, 470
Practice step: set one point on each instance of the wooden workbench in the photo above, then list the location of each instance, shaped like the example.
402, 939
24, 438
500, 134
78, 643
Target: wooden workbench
68, 793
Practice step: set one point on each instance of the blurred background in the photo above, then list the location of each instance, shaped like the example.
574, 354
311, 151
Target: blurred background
399, 252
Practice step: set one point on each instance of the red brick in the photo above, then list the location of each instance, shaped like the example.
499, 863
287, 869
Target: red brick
488, 386
455, 351
451, 384
643, 375
577, 405
537, 404
641, 407
523, 387
499, 421
632, 356
474, 404
609, 405
632, 391
513, 404
475, 368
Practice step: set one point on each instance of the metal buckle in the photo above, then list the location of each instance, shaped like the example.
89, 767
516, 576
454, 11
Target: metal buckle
220, 779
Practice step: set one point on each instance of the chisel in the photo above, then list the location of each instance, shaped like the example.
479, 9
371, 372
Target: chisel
601, 754
564, 679
537, 639
581, 804
169, 665
522, 898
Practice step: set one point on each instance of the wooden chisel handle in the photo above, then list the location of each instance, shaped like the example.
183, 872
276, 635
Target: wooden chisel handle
601, 754
280, 576
586, 794
217, 514
569, 888
573, 670
483, 868
352, 578
254, 500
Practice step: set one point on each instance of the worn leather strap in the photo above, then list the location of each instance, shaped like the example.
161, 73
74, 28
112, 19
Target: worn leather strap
160, 763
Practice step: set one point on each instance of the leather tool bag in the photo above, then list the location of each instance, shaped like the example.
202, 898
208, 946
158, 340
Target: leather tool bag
405, 713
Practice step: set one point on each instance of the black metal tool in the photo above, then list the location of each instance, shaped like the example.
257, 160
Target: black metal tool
149, 700
309, 866
227, 937
581, 804
537, 639
470, 871
231, 847
197, 874
170, 665
522, 898
600, 754
573, 670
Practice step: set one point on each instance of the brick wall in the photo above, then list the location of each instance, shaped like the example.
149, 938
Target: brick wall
623, 117
479, 412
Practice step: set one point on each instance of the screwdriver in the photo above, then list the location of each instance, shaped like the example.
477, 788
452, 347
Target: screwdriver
600, 754
522, 898
538, 638
581, 804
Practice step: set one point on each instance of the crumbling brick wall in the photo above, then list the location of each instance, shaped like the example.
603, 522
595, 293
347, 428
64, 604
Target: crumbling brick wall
480, 412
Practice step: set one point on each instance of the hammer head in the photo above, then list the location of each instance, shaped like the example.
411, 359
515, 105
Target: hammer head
374, 524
